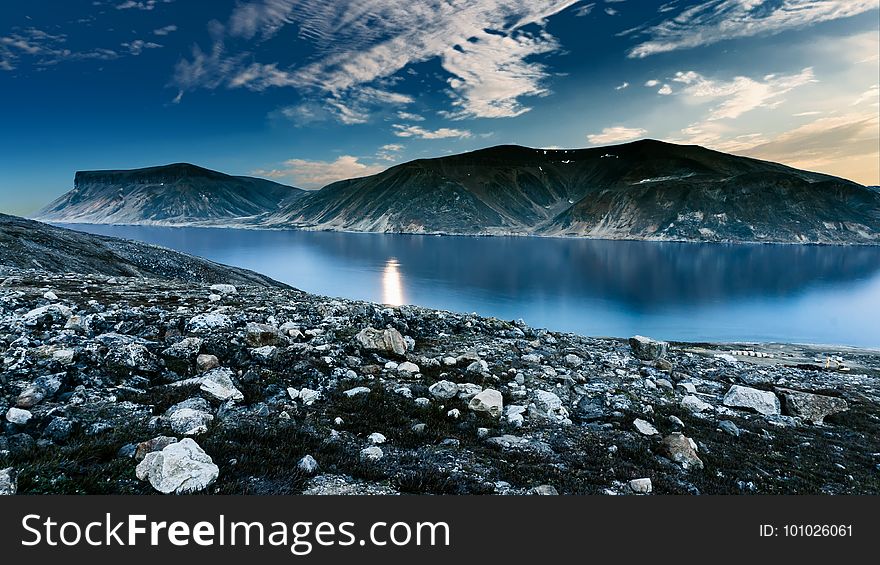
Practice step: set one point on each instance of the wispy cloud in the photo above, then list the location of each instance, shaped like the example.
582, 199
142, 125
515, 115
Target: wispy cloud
741, 94
718, 20
141, 5
305, 173
137, 46
418, 132
44, 49
622, 86
485, 46
616, 134
165, 30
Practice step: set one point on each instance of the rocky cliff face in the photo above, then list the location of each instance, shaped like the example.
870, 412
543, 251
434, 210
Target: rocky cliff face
179, 194
26, 244
642, 190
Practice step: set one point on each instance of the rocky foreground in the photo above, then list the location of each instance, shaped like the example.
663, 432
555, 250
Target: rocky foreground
132, 385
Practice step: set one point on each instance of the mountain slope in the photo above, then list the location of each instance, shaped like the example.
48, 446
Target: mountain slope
26, 244
175, 194
641, 190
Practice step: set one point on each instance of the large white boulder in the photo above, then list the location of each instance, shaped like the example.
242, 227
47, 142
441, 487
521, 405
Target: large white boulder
489, 401
761, 401
179, 468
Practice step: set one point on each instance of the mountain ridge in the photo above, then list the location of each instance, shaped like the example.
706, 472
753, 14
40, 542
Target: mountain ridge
647, 190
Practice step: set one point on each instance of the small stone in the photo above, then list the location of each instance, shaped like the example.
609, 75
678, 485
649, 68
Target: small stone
261, 335
208, 323
680, 449
307, 465
641, 486
18, 416
356, 391
466, 391
376, 438
694, 404
218, 384
443, 390
8, 486
544, 490
292, 393
205, 362
477, 368
676, 421
729, 427
686, 388
419, 428
455, 413
309, 396
573, 360
422, 402
59, 429
372, 454
407, 367
644, 427
49, 295
449, 361
225, 289
482, 433
190, 422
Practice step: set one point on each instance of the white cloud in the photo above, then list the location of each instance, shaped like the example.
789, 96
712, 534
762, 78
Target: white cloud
141, 5
622, 86
392, 147
410, 117
44, 49
137, 46
611, 11
665, 90
741, 94
165, 30
484, 45
419, 132
652, 83
389, 152
615, 134
315, 174
719, 20
585, 10
351, 110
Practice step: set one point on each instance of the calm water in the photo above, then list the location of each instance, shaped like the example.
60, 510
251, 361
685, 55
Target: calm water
677, 291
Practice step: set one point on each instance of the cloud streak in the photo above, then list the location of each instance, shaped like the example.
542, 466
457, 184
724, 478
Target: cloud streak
719, 20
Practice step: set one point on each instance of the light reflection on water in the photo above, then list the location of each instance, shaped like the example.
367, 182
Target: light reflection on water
692, 292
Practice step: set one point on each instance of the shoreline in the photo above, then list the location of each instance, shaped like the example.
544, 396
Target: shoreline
99, 377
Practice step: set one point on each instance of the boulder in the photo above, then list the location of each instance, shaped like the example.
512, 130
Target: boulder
307, 465
218, 384
190, 422
648, 349
694, 404
208, 323
641, 486
179, 468
761, 401
489, 401
409, 368
356, 391
644, 427
388, 340
682, 450
372, 454
18, 416
224, 289
443, 390
810, 406
549, 406
261, 335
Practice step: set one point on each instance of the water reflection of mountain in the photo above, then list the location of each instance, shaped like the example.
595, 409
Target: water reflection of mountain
643, 275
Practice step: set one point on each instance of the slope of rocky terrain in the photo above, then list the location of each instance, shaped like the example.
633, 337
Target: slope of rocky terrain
132, 385
641, 190
34, 245
178, 194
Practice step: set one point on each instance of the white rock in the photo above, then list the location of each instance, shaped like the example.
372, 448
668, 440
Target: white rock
292, 393
449, 361
356, 391
422, 402
309, 396
49, 295
54, 309
373, 453
455, 413
218, 384
407, 367
7, 482
264, 353
644, 427
206, 323
761, 401
376, 438
190, 422
307, 465
443, 389
694, 404
573, 360
466, 391
179, 468
490, 401
641, 486
224, 289
391, 365
18, 416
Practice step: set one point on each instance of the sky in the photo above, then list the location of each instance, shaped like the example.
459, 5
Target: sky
306, 92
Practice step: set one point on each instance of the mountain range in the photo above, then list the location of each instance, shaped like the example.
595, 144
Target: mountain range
178, 194
647, 190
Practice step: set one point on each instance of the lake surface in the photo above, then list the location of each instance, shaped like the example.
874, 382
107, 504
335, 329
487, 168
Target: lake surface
673, 291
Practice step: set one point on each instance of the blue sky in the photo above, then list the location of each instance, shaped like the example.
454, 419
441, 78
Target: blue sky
310, 91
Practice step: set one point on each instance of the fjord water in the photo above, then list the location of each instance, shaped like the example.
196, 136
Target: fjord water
673, 291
